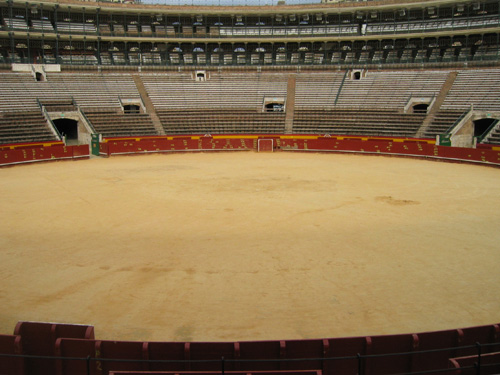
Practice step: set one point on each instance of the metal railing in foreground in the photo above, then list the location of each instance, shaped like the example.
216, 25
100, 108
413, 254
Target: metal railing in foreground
478, 366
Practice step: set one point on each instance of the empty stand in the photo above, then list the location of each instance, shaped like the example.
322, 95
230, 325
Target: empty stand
221, 90
317, 89
474, 87
20, 126
113, 123
20, 91
442, 121
359, 121
202, 121
391, 89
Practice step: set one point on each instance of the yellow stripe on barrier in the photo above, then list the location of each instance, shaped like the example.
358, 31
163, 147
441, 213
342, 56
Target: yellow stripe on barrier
299, 137
243, 136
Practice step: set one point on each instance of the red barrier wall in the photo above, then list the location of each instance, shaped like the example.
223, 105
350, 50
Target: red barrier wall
11, 344
396, 146
40, 338
136, 146
38, 154
417, 352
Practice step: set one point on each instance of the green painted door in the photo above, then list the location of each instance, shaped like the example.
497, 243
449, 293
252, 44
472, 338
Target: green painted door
95, 144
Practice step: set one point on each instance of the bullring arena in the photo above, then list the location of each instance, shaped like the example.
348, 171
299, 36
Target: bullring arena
264, 188
250, 246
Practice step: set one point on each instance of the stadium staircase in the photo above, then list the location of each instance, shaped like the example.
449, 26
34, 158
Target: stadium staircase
492, 135
431, 115
290, 103
148, 104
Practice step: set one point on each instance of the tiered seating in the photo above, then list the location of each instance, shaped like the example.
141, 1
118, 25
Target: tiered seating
146, 29
42, 24
16, 23
19, 127
104, 29
391, 89
477, 87
119, 58
79, 59
218, 121
317, 89
19, 91
118, 28
132, 28
106, 58
227, 90
349, 121
116, 124
441, 122
76, 27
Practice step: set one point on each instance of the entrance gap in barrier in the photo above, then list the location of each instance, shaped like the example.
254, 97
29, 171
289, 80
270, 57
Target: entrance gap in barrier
265, 145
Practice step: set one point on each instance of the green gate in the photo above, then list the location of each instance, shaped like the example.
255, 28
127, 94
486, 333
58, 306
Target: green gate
95, 144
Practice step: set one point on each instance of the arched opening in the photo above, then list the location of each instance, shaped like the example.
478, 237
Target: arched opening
481, 125
39, 77
357, 75
420, 108
201, 76
274, 107
67, 128
131, 108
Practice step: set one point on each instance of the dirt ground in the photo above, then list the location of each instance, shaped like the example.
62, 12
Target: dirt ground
250, 246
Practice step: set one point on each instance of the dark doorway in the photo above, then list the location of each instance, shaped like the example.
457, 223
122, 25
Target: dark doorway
420, 108
39, 77
68, 128
481, 125
131, 108
357, 75
275, 107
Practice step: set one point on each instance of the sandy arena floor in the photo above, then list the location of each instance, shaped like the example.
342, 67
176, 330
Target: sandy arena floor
247, 246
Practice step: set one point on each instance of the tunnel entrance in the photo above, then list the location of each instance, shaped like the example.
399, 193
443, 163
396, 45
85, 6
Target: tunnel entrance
131, 108
420, 108
481, 125
68, 128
